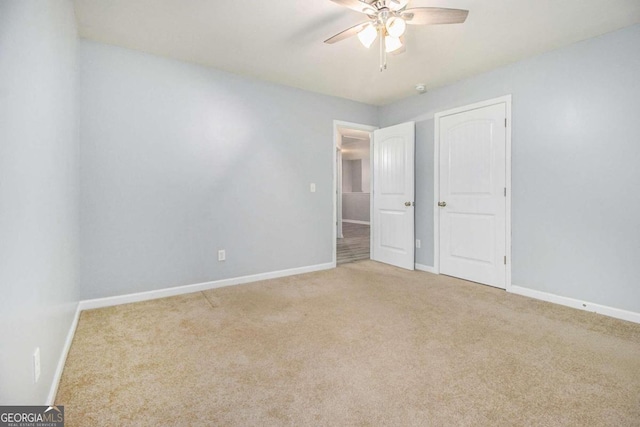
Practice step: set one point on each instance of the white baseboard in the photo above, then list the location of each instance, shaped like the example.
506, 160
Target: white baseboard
186, 289
63, 358
426, 268
354, 221
617, 313
629, 316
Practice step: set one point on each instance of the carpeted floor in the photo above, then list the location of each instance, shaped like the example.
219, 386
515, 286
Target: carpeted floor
363, 344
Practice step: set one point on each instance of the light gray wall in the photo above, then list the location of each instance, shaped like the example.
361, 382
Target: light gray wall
38, 192
356, 206
352, 176
575, 165
358, 149
356, 179
179, 161
347, 176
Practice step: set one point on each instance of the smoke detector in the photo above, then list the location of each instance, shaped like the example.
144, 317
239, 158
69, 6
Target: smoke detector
421, 88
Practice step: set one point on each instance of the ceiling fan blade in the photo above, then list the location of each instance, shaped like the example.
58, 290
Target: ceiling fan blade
347, 33
434, 16
357, 5
398, 5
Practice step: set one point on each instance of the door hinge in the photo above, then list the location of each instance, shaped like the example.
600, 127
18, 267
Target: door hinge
505, 122
505, 191
505, 260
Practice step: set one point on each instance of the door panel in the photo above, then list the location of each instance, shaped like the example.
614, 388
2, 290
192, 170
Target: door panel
393, 189
472, 184
470, 166
392, 166
391, 227
471, 237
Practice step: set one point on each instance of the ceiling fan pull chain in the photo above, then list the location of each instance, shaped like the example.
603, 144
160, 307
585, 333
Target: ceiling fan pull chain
384, 48
383, 52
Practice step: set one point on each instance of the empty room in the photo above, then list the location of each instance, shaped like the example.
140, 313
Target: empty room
320, 212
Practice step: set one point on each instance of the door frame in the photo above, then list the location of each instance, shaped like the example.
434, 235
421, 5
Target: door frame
336, 134
506, 99
338, 193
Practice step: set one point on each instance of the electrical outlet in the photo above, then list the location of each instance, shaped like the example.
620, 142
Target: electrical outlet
418, 243
312, 187
36, 365
222, 255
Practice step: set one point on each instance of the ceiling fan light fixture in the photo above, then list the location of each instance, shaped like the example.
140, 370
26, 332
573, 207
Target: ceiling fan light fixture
388, 19
396, 26
368, 35
392, 43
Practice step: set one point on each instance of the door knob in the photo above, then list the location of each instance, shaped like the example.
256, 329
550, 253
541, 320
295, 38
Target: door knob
442, 204
407, 203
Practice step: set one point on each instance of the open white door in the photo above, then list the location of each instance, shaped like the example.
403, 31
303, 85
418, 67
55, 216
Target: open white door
393, 195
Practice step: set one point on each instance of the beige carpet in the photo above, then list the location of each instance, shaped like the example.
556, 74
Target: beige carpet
364, 344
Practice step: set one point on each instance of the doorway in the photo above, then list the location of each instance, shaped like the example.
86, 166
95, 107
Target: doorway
473, 192
389, 192
353, 195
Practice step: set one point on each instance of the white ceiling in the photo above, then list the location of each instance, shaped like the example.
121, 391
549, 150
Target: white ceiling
282, 40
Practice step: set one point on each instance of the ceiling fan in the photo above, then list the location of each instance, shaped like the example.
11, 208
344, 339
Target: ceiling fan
388, 20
